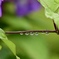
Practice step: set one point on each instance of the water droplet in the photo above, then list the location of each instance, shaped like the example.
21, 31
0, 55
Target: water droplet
47, 33
31, 33
36, 33
26, 33
21, 33
43, 33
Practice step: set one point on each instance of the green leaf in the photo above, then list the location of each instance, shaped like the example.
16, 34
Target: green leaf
57, 1
49, 4
51, 9
56, 19
0, 47
10, 44
17, 57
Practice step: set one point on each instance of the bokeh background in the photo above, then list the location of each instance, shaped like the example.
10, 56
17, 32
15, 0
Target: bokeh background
43, 46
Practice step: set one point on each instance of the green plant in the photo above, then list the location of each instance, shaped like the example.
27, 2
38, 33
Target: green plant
10, 44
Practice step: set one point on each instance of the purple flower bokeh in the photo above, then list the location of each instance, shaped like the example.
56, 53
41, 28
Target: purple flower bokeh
24, 7
0, 8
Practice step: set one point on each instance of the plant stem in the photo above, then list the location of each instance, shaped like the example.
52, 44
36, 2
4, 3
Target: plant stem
33, 31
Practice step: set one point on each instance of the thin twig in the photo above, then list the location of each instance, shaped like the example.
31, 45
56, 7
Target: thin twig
33, 31
56, 29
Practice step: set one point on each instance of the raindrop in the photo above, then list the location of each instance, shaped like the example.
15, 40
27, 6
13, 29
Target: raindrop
26, 33
21, 33
31, 33
47, 33
43, 33
36, 33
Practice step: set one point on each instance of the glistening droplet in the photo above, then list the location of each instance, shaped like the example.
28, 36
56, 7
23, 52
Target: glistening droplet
26, 33
36, 33
31, 33
21, 33
47, 33
43, 33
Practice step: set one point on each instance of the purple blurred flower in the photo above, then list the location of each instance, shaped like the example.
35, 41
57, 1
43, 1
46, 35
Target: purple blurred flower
0, 8
23, 7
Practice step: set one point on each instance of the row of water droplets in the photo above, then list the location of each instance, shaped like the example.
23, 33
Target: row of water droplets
34, 33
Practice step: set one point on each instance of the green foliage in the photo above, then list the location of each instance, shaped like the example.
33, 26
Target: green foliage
29, 47
10, 44
0, 47
49, 4
51, 9
57, 1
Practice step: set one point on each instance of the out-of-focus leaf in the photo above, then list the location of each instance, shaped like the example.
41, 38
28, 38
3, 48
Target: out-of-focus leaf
51, 8
0, 47
32, 46
49, 11
10, 44
17, 22
49, 4
9, 8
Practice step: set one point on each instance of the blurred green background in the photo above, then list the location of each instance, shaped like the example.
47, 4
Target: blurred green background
43, 46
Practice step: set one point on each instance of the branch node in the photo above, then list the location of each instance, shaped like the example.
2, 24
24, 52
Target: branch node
56, 28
